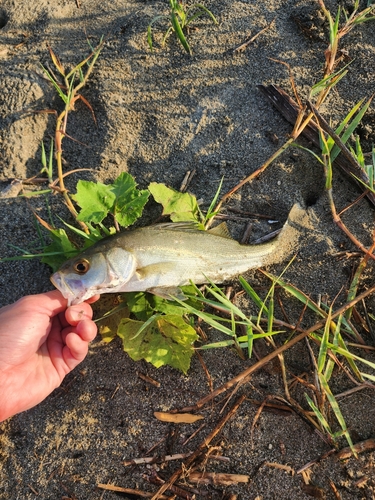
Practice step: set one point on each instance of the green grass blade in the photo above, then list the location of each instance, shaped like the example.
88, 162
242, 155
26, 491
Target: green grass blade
328, 82
298, 295
253, 295
367, 185
343, 350
165, 37
149, 37
330, 363
44, 158
146, 324
92, 58
30, 194
317, 157
358, 152
213, 290
31, 256
179, 33
210, 212
336, 410
335, 27
55, 84
250, 340
50, 162
216, 345
324, 344
270, 315
341, 344
205, 11
209, 319
323, 422
39, 232
348, 117
343, 124
351, 127
78, 231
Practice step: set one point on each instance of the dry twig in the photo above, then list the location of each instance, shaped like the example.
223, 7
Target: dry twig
244, 45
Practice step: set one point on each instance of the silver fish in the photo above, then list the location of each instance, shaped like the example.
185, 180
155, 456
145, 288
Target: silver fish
161, 258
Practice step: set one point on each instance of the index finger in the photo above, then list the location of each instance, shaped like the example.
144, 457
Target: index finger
76, 313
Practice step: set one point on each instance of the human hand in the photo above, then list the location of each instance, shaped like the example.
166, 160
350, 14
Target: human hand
41, 340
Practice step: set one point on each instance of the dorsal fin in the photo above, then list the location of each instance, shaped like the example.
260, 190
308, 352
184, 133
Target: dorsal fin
221, 230
173, 226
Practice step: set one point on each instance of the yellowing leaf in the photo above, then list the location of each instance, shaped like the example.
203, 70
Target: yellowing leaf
110, 312
166, 340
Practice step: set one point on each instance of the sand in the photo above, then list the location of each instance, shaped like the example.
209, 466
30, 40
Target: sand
160, 115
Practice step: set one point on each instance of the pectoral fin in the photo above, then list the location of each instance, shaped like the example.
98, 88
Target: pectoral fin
167, 292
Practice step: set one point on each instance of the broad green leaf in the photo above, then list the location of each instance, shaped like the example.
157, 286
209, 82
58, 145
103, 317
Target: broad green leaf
139, 304
168, 340
95, 199
63, 247
122, 199
130, 201
179, 206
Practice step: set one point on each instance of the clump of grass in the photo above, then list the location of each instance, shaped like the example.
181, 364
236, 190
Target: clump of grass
334, 333
180, 18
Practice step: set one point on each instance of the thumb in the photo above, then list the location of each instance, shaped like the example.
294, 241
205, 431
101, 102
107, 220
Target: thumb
49, 303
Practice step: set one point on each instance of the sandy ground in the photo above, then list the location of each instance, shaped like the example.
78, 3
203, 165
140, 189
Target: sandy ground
160, 115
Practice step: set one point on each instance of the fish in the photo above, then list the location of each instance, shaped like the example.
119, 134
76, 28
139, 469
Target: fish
161, 258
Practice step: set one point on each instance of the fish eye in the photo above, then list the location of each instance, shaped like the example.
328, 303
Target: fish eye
81, 266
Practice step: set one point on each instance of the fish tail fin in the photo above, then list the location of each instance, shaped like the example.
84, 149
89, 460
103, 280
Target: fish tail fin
288, 239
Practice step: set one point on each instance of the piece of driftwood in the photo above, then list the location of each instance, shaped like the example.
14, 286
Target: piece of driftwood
289, 109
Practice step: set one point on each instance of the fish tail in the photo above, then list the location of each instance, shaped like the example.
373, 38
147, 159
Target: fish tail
288, 239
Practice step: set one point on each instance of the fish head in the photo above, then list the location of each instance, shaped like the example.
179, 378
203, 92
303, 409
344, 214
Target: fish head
94, 271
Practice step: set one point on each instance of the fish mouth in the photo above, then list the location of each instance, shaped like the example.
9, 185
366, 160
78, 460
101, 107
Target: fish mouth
58, 282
